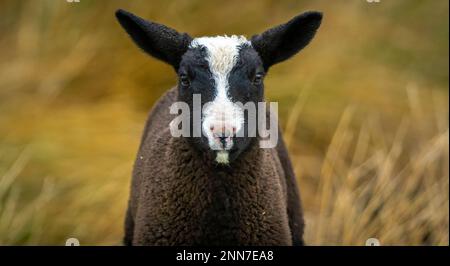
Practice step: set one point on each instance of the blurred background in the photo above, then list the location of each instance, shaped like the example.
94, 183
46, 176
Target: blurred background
364, 110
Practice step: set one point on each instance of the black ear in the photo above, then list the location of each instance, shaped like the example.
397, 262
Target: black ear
283, 41
158, 40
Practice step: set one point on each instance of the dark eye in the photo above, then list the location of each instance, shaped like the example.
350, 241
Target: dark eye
257, 80
184, 80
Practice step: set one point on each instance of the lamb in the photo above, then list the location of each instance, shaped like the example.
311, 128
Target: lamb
216, 188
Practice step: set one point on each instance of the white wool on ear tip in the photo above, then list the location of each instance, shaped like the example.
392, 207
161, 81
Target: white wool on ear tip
222, 157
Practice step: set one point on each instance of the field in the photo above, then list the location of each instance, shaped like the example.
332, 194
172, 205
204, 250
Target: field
364, 109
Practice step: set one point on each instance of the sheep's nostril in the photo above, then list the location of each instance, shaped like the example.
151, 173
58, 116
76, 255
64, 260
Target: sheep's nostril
212, 128
223, 140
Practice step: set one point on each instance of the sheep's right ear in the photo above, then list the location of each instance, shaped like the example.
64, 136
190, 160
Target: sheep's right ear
157, 40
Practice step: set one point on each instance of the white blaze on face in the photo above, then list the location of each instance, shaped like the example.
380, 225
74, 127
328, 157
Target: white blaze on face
221, 118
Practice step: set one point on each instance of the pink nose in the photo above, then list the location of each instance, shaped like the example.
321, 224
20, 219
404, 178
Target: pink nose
223, 130
223, 133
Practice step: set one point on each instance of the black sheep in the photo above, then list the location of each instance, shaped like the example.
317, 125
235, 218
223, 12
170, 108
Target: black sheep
216, 187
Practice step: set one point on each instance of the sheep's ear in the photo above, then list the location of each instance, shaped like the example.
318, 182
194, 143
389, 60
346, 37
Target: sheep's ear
157, 40
283, 41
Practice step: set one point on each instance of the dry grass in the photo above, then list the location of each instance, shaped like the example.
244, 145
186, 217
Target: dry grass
372, 186
24, 223
369, 144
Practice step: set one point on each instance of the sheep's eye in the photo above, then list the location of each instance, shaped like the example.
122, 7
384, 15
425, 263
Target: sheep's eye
184, 80
257, 80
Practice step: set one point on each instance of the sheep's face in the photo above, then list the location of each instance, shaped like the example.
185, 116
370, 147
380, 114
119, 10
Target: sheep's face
226, 72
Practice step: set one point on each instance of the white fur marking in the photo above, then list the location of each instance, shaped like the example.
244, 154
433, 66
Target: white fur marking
223, 53
222, 157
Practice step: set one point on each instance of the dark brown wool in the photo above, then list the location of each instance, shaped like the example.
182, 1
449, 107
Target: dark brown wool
179, 197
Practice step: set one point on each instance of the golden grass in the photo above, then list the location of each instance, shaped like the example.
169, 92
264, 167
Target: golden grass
23, 223
364, 112
370, 186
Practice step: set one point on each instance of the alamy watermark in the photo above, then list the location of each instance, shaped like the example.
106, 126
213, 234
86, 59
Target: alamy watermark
258, 122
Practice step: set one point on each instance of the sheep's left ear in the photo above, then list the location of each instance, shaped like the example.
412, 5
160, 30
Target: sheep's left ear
283, 41
158, 40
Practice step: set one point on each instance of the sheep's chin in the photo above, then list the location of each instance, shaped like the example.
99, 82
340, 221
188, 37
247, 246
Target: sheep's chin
222, 157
